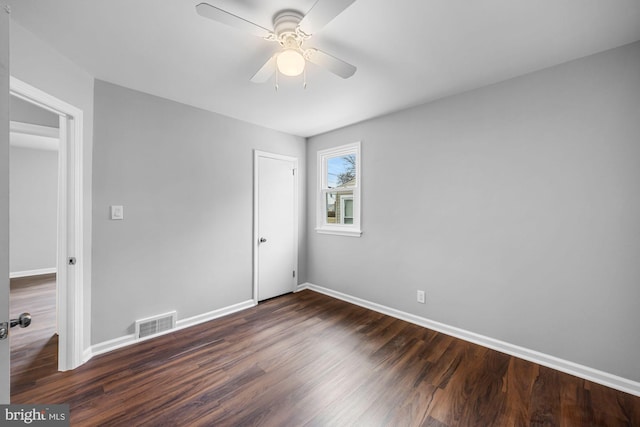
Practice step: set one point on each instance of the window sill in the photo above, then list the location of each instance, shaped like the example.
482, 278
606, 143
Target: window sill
339, 231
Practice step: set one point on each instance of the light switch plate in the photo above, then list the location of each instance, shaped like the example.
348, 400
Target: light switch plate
117, 212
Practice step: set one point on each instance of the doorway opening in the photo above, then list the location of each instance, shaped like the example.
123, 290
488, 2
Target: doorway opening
69, 222
33, 218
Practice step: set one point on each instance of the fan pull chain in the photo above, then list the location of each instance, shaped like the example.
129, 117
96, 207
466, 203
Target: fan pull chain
276, 79
304, 81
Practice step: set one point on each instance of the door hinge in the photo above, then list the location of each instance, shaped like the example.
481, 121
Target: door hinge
293, 171
294, 273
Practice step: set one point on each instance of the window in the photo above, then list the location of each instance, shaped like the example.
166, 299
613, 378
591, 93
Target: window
339, 190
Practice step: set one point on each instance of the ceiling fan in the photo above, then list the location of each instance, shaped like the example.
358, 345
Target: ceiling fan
291, 29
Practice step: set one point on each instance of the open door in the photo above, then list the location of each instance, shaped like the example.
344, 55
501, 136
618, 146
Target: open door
5, 374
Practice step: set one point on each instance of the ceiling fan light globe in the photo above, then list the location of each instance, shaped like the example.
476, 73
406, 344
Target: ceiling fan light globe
290, 62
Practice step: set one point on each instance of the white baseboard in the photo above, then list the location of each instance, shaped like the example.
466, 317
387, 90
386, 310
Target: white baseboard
86, 355
110, 345
27, 273
123, 341
581, 371
205, 317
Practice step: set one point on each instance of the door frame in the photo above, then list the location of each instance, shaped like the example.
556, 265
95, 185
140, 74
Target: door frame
69, 278
257, 154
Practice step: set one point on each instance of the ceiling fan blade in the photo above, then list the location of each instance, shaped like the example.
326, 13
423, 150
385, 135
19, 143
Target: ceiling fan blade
266, 71
321, 14
331, 63
212, 12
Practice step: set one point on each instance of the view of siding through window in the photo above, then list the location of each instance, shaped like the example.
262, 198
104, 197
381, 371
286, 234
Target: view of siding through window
341, 175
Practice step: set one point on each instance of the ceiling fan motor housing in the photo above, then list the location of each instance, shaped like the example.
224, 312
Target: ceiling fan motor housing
285, 25
286, 21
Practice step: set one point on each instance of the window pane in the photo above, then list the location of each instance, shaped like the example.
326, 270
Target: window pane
330, 201
348, 208
339, 207
341, 171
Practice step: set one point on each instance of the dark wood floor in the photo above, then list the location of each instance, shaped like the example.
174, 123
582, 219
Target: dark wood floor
308, 359
34, 350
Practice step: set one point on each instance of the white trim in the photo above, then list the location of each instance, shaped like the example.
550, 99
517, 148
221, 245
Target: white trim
31, 129
70, 313
126, 340
64, 302
296, 212
28, 273
34, 142
215, 314
339, 232
581, 371
86, 354
27, 135
322, 227
304, 286
110, 345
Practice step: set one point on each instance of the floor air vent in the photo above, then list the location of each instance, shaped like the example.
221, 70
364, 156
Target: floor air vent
155, 325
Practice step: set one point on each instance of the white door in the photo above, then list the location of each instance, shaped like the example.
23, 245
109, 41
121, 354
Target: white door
5, 374
276, 225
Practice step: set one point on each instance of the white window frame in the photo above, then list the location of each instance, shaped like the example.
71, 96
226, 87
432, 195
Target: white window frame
323, 227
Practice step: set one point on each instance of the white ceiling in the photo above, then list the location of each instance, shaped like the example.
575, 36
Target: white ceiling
407, 51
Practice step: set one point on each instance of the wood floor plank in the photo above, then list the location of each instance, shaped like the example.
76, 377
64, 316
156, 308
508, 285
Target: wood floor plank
34, 350
517, 384
306, 359
545, 399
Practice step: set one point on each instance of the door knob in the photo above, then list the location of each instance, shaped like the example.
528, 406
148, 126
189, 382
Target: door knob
23, 320
262, 240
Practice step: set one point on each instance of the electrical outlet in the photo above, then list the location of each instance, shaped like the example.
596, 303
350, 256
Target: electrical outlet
420, 297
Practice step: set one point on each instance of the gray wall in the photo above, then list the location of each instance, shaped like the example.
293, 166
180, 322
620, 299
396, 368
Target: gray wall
185, 179
516, 207
33, 209
26, 112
